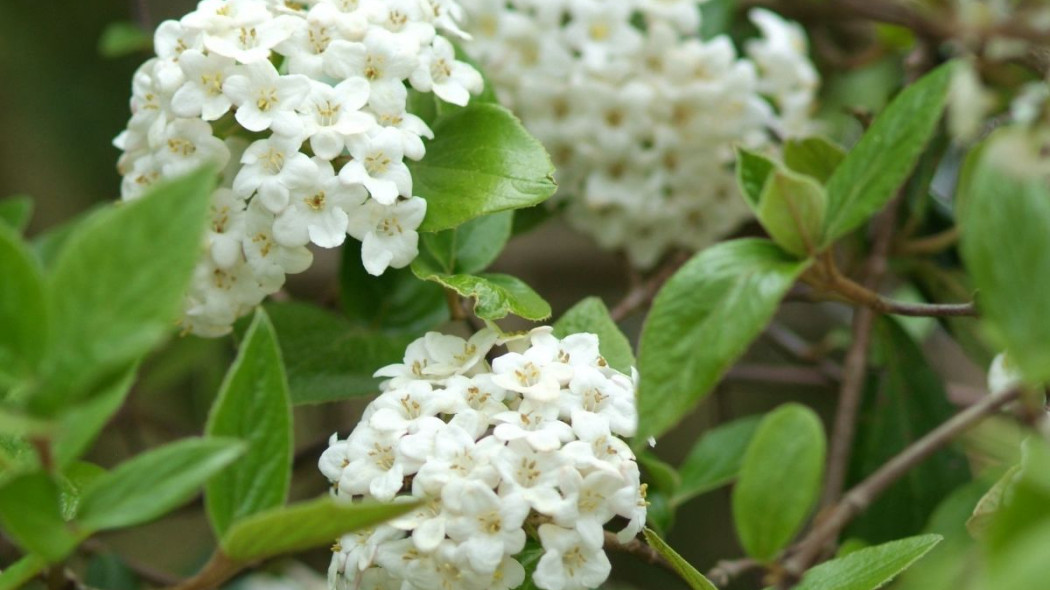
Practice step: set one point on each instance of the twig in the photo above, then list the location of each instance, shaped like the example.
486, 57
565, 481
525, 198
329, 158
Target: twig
643, 293
727, 569
856, 364
219, 569
781, 374
831, 523
930, 244
146, 572
638, 549
861, 295
800, 350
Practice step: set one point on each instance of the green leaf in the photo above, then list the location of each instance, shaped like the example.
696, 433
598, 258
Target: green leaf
687, 342
904, 402
107, 570
716, 17
870, 568
395, 302
119, 282
752, 170
253, 405
303, 526
24, 336
791, 209
879, 164
715, 459
816, 156
79, 425
74, 480
687, 572
529, 558
1005, 240
21, 572
471, 247
591, 315
29, 512
481, 161
779, 480
326, 358
154, 483
495, 295
16, 212
123, 38
663, 476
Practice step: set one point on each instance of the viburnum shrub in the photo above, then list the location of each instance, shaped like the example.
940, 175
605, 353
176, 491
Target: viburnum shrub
874, 246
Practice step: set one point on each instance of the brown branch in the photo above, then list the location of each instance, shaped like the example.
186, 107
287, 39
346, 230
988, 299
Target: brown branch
218, 570
934, 244
728, 569
638, 549
858, 499
645, 291
861, 295
791, 343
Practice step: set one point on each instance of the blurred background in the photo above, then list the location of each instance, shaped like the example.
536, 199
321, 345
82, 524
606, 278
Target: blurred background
61, 104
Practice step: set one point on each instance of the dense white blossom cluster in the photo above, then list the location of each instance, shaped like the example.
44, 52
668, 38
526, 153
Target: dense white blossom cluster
304, 104
531, 440
640, 115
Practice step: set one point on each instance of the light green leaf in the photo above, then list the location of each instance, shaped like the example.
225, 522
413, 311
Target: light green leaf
715, 459
752, 170
816, 157
687, 572
791, 209
495, 295
326, 358
1006, 244
395, 302
779, 480
21, 572
80, 424
16, 212
74, 480
118, 285
154, 483
591, 315
481, 161
879, 164
870, 568
471, 247
30, 514
23, 337
123, 38
303, 526
253, 405
687, 342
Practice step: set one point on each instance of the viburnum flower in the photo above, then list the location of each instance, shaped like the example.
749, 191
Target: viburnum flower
640, 115
486, 464
303, 106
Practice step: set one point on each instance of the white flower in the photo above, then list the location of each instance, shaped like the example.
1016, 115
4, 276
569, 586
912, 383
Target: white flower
189, 144
532, 374
439, 72
373, 468
486, 525
1003, 374
333, 114
589, 503
532, 474
387, 104
401, 410
457, 456
568, 562
264, 98
273, 168
317, 211
535, 423
202, 94
387, 233
379, 58
378, 165
610, 398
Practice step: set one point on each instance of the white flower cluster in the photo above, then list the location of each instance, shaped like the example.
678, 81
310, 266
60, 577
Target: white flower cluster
640, 115
530, 441
304, 104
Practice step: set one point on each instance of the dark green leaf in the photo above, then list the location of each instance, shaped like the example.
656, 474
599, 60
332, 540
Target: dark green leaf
119, 282
23, 316
663, 476
81, 423
906, 401
687, 342
879, 164
693, 578
870, 568
715, 459
326, 358
471, 247
481, 161
124, 38
779, 480
303, 526
154, 483
1005, 242
591, 315
253, 405
30, 513
529, 558
21, 571
813, 156
791, 209
109, 572
495, 295
16, 212
716, 16
396, 302
752, 170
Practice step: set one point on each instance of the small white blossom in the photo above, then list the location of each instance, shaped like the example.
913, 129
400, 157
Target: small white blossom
569, 562
387, 233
